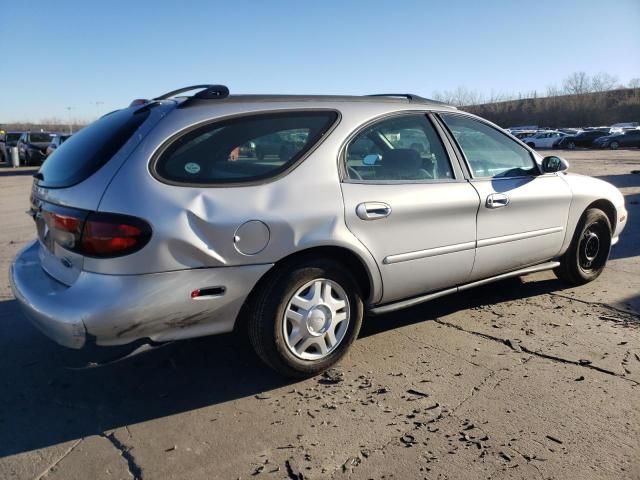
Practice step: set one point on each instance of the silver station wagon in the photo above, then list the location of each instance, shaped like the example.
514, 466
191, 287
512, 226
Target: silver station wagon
289, 217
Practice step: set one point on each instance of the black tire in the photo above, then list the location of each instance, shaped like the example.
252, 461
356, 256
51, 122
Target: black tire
267, 309
614, 145
571, 146
587, 255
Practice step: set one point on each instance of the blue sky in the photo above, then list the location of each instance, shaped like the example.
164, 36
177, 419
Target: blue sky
82, 52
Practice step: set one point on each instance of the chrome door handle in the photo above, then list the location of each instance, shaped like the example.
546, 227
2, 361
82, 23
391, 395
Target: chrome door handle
497, 200
373, 210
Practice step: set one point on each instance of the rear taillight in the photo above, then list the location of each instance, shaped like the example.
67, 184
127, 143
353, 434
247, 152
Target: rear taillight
109, 235
65, 227
95, 234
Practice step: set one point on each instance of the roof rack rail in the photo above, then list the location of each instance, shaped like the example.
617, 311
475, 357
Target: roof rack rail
409, 96
209, 92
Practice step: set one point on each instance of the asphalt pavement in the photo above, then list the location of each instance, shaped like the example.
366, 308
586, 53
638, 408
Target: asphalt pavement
523, 378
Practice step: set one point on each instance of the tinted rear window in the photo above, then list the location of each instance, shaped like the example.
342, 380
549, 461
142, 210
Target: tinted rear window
40, 137
89, 149
244, 149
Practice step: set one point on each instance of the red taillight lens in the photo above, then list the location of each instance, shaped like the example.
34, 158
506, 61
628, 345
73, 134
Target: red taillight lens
108, 235
93, 234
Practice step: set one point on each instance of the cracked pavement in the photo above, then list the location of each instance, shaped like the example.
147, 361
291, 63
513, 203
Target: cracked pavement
523, 378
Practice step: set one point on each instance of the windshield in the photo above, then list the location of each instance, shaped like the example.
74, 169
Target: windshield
93, 146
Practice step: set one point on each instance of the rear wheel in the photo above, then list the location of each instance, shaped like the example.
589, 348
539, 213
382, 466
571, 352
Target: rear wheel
571, 146
304, 318
614, 145
587, 255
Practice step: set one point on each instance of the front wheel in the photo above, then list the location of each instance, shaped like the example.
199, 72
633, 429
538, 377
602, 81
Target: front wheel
571, 146
304, 318
614, 145
587, 255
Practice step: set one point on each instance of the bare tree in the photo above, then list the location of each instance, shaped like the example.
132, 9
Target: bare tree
634, 82
553, 91
459, 97
601, 82
577, 83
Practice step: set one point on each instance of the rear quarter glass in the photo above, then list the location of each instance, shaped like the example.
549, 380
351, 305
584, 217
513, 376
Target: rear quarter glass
245, 149
89, 149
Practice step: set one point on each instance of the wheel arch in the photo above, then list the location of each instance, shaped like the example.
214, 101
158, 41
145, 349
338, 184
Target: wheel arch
608, 208
603, 204
354, 262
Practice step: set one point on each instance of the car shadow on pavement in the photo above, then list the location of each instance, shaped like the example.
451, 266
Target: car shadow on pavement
509, 289
43, 402
629, 244
623, 180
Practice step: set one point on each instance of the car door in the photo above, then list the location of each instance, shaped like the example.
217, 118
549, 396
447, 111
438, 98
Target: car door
631, 139
523, 213
409, 205
546, 141
21, 144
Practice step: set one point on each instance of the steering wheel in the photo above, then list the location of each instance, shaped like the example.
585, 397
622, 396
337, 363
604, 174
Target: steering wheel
353, 173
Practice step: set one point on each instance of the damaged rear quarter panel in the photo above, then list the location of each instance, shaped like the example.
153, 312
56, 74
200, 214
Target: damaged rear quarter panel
193, 226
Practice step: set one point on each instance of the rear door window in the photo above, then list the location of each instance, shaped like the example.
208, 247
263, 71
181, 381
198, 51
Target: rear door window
245, 149
89, 149
400, 149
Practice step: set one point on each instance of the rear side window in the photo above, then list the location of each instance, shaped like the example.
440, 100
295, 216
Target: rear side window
40, 137
243, 149
89, 149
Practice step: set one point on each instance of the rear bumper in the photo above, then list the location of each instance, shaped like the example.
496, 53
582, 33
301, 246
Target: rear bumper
120, 309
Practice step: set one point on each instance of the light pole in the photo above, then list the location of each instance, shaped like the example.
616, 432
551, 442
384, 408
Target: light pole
98, 103
70, 126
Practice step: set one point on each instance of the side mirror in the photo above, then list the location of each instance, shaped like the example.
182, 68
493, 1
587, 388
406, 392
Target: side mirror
554, 164
371, 159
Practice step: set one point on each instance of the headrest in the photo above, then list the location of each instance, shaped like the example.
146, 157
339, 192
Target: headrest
402, 160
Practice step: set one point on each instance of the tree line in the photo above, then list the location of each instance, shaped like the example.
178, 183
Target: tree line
581, 100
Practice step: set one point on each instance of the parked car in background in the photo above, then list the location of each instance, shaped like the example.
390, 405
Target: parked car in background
583, 139
621, 127
570, 131
518, 128
544, 139
522, 134
57, 140
32, 147
630, 138
9, 140
149, 230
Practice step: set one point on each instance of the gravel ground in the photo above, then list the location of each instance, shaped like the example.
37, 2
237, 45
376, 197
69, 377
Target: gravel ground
519, 379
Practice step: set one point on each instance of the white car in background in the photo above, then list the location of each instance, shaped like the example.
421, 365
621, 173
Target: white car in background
544, 139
